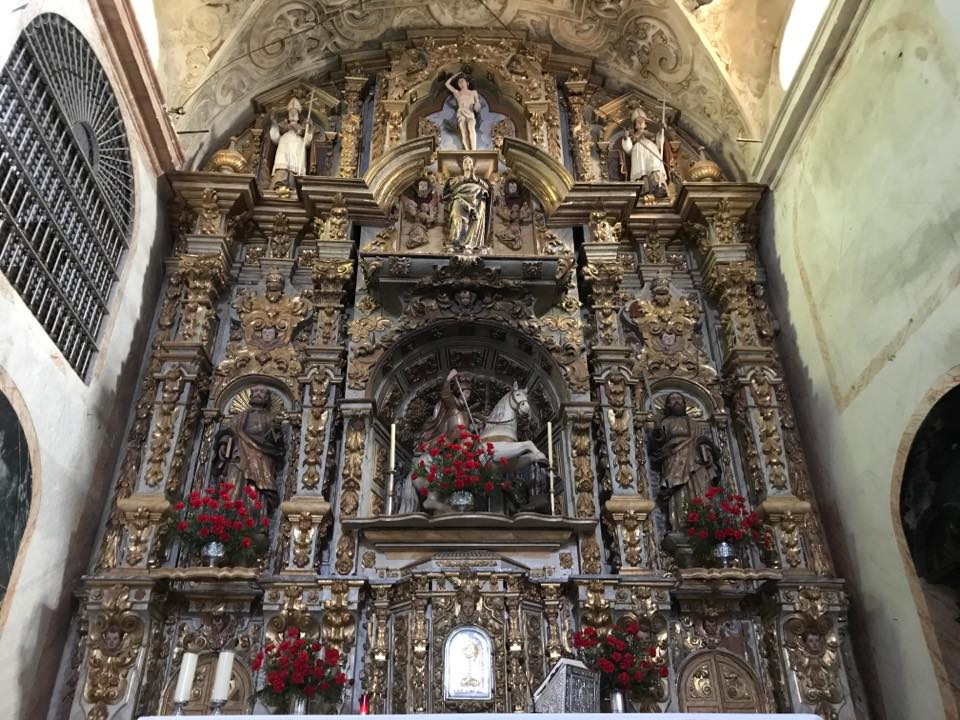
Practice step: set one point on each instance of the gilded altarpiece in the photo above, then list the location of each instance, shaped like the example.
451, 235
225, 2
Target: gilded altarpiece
318, 322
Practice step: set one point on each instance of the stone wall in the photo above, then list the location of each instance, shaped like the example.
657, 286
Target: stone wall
72, 425
862, 249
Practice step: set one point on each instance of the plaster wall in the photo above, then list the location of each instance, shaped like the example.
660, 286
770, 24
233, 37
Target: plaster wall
74, 427
863, 249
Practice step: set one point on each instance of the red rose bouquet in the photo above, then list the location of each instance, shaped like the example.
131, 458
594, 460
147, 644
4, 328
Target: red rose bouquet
623, 659
466, 464
720, 516
298, 668
216, 516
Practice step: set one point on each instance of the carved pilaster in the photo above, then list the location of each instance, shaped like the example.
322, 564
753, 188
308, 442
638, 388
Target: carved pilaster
581, 142
420, 645
330, 278
350, 124
379, 654
537, 120
204, 277
142, 517
394, 112
604, 279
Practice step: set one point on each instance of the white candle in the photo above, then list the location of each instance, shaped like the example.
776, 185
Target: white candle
550, 466
221, 678
393, 447
188, 668
550, 445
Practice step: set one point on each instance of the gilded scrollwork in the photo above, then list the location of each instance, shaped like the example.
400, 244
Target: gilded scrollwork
619, 422
604, 279
313, 445
171, 389
204, 277
352, 470
268, 322
208, 222
114, 642
583, 480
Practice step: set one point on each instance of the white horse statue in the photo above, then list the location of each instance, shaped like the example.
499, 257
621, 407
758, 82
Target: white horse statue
500, 429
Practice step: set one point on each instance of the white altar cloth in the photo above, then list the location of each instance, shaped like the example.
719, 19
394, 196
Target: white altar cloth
513, 716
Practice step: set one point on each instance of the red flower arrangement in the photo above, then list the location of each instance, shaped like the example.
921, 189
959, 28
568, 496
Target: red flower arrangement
623, 660
297, 668
215, 516
720, 516
467, 464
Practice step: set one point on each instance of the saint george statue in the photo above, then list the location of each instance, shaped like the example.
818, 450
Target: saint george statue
450, 412
686, 455
467, 202
468, 105
250, 448
291, 157
646, 155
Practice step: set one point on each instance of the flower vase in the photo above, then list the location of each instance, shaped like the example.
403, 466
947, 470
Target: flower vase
724, 553
297, 705
213, 553
616, 701
461, 501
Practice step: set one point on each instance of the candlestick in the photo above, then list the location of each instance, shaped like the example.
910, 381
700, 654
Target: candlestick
221, 678
550, 465
188, 668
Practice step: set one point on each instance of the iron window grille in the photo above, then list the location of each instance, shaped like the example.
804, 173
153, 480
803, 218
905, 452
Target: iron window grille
66, 185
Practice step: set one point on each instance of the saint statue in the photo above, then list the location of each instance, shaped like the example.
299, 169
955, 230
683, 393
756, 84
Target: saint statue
467, 201
646, 155
250, 448
686, 455
468, 105
291, 158
450, 412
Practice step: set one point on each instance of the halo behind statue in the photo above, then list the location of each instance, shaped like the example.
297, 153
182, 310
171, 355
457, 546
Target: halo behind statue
241, 401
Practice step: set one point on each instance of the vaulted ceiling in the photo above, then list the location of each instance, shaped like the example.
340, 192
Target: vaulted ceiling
711, 59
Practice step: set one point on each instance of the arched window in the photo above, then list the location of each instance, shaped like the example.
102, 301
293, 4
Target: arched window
805, 17
66, 187
15, 489
930, 497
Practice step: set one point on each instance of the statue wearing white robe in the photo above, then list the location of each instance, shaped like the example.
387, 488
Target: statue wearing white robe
645, 153
291, 157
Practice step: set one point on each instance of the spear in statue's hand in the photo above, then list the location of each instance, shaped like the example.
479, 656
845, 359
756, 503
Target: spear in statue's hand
466, 405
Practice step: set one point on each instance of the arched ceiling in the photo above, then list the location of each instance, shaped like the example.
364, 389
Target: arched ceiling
710, 59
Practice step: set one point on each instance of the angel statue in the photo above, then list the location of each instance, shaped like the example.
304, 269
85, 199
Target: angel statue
422, 211
468, 105
291, 138
646, 155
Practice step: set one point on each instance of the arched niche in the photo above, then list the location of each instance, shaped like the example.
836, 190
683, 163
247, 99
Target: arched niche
238, 696
714, 681
17, 491
407, 380
926, 503
498, 96
468, 665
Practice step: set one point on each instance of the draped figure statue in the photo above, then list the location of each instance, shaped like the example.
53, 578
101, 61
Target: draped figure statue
467, 202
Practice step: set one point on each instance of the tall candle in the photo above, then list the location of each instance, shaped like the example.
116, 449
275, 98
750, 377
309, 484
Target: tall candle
221, 677
188, 668
550, 445
393, 447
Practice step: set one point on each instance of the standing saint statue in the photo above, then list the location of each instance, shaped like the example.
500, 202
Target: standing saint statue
468, 105
250, 448
686, 455
291, 138
467, 202
646, 155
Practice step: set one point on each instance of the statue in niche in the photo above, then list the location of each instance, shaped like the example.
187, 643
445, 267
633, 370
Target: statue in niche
687, 457
422, 211
467, 202
645, 154
499, 429
514, 213
249, 448
468, 105
291, 138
